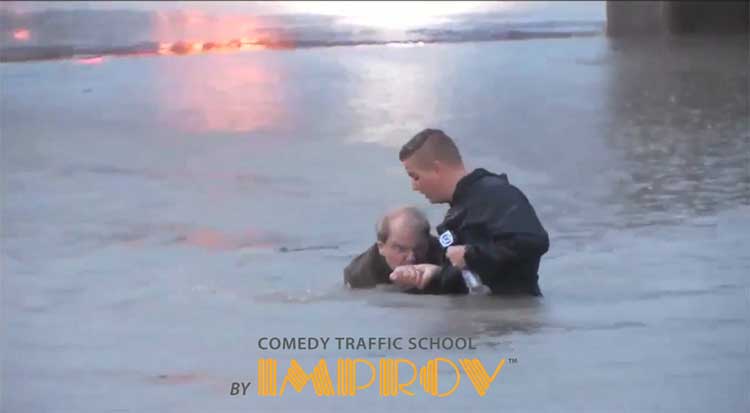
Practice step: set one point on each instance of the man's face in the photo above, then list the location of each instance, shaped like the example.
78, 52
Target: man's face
404, 246
425, 179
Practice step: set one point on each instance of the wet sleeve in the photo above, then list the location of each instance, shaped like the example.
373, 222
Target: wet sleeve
357, 275
511, 233
448, 280
354, 279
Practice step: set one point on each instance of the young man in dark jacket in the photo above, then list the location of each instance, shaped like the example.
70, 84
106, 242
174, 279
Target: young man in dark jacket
403, 238
491, 227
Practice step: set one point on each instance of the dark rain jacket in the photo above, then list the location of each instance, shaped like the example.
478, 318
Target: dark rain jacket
503, 236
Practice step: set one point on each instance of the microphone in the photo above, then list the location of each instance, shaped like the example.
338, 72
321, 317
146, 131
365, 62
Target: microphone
472, 281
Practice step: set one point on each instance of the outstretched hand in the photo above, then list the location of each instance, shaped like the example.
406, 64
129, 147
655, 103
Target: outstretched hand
414, 275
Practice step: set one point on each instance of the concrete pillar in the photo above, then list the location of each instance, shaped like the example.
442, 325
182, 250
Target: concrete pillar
632, 18
710, 17
629, 18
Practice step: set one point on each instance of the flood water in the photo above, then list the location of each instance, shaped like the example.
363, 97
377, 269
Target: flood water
161, 214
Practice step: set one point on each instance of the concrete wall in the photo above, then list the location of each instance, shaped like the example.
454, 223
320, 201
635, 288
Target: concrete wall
708, 17
625, 18
632, 18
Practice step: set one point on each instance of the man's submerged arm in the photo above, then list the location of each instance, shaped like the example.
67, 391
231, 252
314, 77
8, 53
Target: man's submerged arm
357, 279
361, 272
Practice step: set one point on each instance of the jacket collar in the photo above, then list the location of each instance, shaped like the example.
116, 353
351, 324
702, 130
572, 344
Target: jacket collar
463, 185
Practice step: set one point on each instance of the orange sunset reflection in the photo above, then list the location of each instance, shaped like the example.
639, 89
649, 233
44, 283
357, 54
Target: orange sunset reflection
95, 60
212, 239
234, 45
191, 32
222, 96
22, 34
222, 92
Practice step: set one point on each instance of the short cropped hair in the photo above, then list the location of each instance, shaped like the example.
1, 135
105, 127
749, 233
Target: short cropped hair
437, 146
415, 219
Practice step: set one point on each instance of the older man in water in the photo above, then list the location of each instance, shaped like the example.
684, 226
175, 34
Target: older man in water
403, 238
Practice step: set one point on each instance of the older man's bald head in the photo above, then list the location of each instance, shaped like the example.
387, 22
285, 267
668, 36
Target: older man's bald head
403, 236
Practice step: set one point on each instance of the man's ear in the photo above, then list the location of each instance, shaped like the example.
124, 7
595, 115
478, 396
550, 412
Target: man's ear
437, 166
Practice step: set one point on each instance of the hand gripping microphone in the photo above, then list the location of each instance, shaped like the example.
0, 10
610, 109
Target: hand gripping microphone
473, 282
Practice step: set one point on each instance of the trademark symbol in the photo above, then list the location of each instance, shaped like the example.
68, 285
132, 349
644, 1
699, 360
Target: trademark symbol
512, 360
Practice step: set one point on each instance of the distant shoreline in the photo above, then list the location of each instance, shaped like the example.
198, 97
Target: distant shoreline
20, 54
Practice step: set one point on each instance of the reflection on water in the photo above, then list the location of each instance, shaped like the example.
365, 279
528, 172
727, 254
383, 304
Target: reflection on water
490, 318
229, 94
679, 113
217, 240
394, 101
